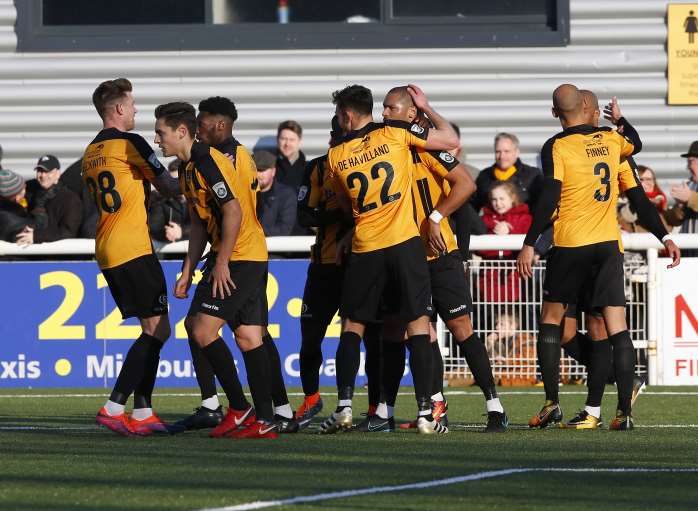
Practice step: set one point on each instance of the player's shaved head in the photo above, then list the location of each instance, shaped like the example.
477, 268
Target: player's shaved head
400, 94
567, 100
591, 107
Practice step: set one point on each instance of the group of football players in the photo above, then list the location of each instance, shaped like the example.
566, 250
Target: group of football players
385, 257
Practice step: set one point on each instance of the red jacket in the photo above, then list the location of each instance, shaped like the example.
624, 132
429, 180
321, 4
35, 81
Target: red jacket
518, 217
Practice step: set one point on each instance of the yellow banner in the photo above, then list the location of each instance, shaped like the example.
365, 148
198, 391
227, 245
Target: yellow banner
682, 54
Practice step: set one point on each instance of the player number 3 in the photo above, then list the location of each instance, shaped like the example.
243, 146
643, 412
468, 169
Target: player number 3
601, 169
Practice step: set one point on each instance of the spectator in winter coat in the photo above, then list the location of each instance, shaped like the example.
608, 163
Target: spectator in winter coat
14, 216
506, 214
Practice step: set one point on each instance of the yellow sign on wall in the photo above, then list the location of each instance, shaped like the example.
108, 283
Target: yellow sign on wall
682, 49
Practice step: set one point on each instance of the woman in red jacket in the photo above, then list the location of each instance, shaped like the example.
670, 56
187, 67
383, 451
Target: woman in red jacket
506, 214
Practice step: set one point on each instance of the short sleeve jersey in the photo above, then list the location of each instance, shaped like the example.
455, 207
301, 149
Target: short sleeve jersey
317, 193
209, 180
117, 167
586, 160
373, 166
429, 186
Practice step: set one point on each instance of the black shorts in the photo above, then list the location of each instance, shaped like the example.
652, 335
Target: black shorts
322, 293
138, 287
449, 287
247, 305
393, 280
592, 271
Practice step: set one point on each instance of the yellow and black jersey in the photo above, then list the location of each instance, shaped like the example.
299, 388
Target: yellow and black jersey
209, 180
373, 166
428, 187
628, 175
117, 167
317, 200
586, 161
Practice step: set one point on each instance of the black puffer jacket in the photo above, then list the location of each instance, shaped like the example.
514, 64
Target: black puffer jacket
529, 180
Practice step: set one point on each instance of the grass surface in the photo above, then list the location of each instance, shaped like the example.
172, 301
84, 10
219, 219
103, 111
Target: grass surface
69, 463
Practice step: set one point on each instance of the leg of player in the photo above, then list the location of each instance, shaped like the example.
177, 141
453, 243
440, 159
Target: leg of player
471, 347
141, 362
421, 362
347, 362
372, 343
439, 406
548, 346
312, 335
203, 329
624, 363
255, 354
210, 413
283, 414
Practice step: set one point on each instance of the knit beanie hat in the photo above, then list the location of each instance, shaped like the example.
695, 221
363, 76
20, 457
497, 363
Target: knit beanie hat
10, 183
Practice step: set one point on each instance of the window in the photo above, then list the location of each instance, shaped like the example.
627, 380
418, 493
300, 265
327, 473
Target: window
103, 25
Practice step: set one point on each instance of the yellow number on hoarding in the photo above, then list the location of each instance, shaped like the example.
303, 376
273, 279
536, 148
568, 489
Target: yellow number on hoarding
54, 326
272, 295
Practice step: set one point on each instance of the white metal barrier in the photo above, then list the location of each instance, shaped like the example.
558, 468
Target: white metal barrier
505, 308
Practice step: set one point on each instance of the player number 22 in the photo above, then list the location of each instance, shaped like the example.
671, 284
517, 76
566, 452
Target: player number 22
386, 196
601, 169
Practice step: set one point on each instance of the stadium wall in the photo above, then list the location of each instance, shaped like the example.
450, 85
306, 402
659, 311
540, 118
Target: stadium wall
617, 48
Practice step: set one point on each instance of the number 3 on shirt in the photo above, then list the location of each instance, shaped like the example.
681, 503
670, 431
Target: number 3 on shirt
601, 169
386, 196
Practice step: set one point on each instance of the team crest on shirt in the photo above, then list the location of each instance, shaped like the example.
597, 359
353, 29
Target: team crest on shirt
416, 128
302, 192
446, 157
220, 190
153, 160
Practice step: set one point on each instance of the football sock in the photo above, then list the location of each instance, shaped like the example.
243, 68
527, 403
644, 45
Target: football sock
221, 359
624, 362
579, 348
421, 362
475, 354
373, 363
597, 371
393, 369
594, 411
257, 365
437, 397
494, 405
141, 413
211, 403
284, 411
278, 387
205, 376
143, 393
312, 334
114, 409
384, 411
348, 359
133, 369
549, 359
437, 385
343, 403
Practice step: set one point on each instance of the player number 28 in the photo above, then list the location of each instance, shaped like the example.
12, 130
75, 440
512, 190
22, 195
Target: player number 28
385, 195
105, 185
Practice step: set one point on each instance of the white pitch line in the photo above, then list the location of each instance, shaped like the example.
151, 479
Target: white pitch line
430, 484
300, 394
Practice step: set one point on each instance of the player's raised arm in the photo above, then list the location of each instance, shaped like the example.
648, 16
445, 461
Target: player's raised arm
151, 167
442, 136
613, 114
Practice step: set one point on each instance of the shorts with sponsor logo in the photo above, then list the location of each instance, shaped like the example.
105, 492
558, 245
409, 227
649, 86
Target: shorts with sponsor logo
392, 280
138, 287
450, 293
246, 305
322, 293
593, 272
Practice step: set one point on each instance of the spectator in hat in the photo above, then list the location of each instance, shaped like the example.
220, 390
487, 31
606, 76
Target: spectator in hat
56, 210
290, 164
14, 216
276, 202
685, 212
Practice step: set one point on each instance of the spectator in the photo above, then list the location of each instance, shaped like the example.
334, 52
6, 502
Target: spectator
508, 167
290, 164
513, 353
168, 218
627, 218
14, 216
685, 212
57, 211
276, 202
505, 215
72, 179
